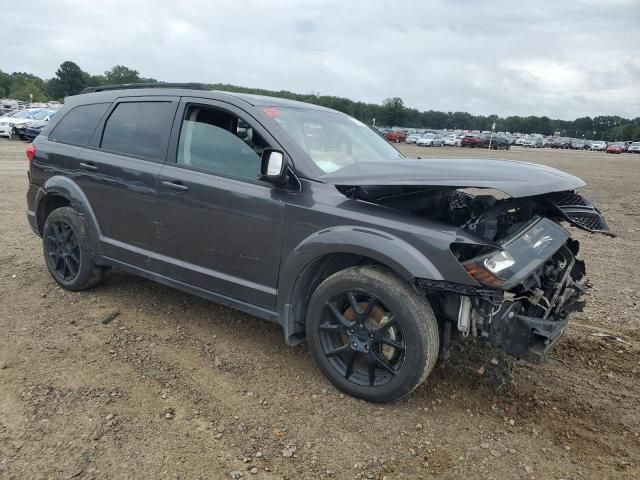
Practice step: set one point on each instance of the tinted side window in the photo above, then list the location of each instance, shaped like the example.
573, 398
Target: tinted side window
219, 142
77, 126
139, 129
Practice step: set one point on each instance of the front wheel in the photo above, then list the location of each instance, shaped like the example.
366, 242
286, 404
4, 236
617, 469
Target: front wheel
371, 334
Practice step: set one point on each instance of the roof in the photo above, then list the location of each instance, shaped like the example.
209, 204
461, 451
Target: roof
266, 101
110, 92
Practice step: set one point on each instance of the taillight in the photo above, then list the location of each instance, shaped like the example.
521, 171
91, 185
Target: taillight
31, 151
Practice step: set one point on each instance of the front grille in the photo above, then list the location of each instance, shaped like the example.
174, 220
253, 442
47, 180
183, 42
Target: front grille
567, 198
589, 221
579, 211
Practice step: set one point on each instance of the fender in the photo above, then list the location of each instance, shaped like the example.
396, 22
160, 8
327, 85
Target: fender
399, 255
66, 187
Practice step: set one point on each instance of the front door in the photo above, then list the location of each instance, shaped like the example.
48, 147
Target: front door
219, 227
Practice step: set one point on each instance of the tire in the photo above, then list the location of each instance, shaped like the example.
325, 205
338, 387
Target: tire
66, 250
346, 326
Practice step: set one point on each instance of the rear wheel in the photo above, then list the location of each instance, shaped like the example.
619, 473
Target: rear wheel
66, 250
371, 334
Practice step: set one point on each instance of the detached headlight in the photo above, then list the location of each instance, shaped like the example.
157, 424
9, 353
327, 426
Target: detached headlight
520, 255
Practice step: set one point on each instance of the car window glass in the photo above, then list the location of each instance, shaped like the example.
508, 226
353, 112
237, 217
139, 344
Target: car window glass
138, 129
77, 126
41, 115
219, 142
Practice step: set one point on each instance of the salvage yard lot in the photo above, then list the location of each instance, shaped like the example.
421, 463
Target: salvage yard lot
177, 387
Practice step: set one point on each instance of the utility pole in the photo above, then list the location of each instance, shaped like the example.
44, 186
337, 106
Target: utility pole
493, 127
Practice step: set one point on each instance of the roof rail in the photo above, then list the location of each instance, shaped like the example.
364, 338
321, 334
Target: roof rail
125, 86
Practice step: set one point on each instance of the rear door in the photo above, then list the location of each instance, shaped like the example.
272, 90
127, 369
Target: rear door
66, 140
118, 173
220, 227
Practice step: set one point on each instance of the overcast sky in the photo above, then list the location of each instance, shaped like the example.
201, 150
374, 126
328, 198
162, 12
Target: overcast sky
559, 58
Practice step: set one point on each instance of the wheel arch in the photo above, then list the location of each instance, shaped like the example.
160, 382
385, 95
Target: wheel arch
47, 204
59, 191
331, 250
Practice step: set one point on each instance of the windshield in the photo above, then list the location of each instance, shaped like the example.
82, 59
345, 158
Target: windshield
332, 140
21, 114
41, 115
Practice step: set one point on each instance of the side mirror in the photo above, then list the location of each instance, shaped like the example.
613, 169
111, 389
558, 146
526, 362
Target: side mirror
274, 166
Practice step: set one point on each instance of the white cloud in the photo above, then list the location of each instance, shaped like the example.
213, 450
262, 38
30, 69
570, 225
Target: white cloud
561, 59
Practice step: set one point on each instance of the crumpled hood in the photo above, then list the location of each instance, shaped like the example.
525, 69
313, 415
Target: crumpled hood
516, 179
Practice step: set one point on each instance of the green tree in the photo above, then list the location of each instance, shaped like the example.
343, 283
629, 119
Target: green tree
23, 89
69, 80
96, 80
392, 112
121, 74
5, 81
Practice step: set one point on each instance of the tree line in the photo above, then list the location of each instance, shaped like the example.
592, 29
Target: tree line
70, 79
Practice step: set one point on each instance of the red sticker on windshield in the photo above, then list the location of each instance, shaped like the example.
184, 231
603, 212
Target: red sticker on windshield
272, 112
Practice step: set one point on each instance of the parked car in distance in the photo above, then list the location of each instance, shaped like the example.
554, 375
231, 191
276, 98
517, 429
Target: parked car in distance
8, 106
373, 258
472, 141
618, 147
33, 130
430, 140
9, 122
561, 142
453, 140
495, 142
532, 142
395, 136
634, 147
598, 146
577, 144
412, 137
42, 116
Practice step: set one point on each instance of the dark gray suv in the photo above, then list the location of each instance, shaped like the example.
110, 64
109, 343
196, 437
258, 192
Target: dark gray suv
306, 217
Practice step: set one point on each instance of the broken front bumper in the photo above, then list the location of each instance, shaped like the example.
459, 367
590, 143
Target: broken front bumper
523, 335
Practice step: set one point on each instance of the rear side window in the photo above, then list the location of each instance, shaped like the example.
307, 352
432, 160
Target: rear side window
77, 126
139, 129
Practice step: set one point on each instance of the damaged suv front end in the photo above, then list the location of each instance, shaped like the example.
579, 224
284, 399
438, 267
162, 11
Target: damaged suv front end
525, 277
536, 281
532, 270
475, 246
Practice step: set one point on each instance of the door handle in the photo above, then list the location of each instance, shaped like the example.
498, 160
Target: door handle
175, 186
88, 166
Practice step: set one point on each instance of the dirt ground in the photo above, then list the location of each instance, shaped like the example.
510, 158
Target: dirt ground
177, 387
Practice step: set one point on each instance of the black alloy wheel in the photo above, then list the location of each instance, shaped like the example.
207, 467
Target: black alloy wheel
65, 244
371, 333
62, 250
361, 339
